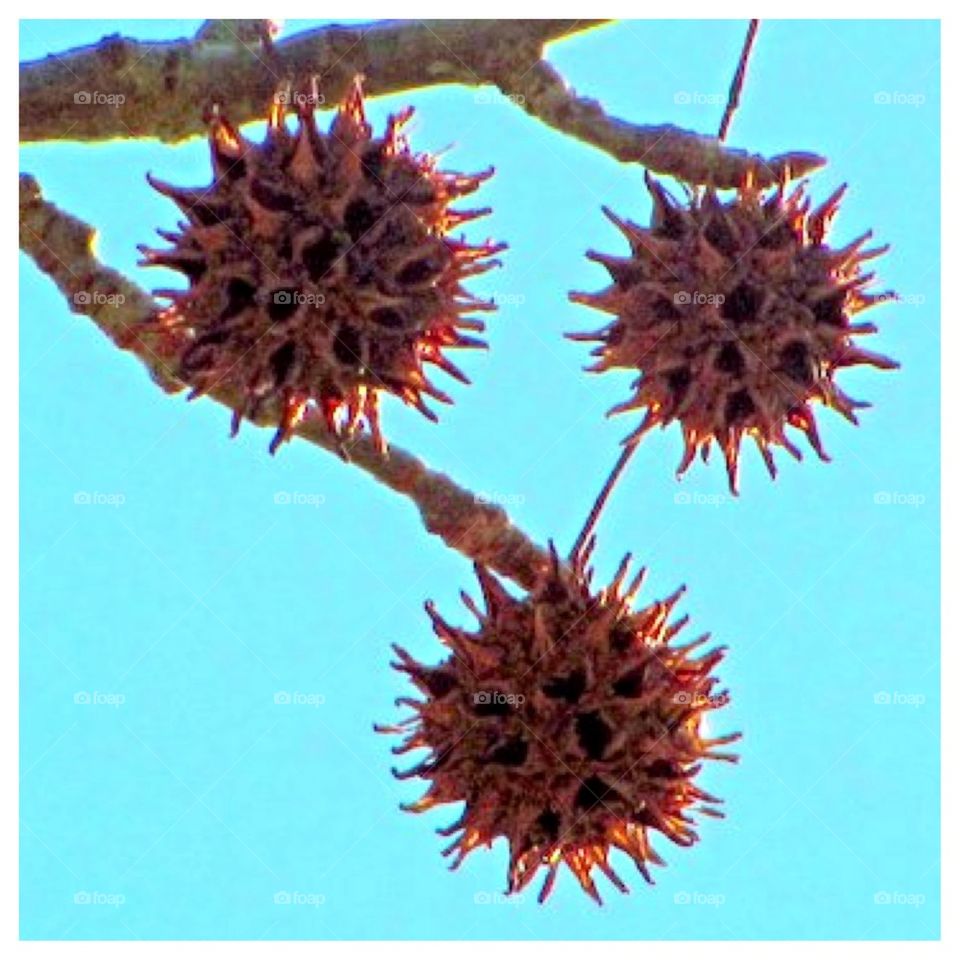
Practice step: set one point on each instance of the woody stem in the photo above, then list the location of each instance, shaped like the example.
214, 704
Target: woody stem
602, 497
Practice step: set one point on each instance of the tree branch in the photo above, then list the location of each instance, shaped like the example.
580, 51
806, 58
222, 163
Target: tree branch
122, 87
62, 247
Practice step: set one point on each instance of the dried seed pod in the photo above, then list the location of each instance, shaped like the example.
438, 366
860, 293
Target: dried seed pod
567, 724
737, 316
321, 271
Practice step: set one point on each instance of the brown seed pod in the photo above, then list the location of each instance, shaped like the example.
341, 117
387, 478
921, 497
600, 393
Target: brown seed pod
321, 271
567, 724
737, 316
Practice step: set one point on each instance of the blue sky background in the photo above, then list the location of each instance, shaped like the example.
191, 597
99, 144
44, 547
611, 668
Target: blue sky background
188, 809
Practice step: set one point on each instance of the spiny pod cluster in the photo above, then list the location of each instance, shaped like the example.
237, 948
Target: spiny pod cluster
737, 315
566, 723
321, 271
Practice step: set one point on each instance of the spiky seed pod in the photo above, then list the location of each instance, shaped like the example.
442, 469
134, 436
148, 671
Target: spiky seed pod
737, 316
567, 724
321, 271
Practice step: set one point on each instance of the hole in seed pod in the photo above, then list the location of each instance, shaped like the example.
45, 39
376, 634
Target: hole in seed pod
663, 309
233, 169
593, 734
439, 683
795, 362
630, 685
644, 817
549, 824
320, 256
513, 753
622, 638
592, 793
738, 407
673, 226
358, 218
661, 768
281, 362
417, 272
372, 163
777, 237
568, 688
721, 237
207, 216
387, 317
830, 310
347, 347
742, 304
240, 296
678, 381
282, 304
270, 197
730, 360
492, 704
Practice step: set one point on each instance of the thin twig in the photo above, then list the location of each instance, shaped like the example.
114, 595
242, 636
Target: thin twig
733, 101
594, 516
